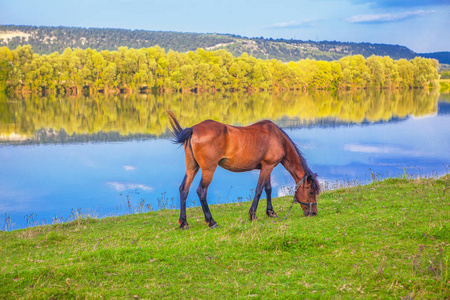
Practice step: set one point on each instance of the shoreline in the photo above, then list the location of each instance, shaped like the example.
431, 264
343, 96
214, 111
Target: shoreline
131, 209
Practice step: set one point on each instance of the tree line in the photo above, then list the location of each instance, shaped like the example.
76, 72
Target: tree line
155, 70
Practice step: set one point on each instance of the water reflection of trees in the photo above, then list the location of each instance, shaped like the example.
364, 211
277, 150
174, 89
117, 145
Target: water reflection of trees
136, 115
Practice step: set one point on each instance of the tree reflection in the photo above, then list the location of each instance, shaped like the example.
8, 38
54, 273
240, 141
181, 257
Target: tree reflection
30, 118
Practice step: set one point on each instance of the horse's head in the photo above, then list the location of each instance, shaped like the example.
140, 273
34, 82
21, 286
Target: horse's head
306, 192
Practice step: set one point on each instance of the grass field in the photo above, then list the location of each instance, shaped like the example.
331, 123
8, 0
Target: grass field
387, 240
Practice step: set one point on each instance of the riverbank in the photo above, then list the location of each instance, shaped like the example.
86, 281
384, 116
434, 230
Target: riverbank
444, 85
385, 240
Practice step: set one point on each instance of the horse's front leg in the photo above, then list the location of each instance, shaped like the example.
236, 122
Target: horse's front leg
269, 210
254, 207
263, 181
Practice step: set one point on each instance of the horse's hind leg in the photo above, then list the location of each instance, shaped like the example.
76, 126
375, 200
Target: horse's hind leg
202, 192
191, 170
269, 210
184, 192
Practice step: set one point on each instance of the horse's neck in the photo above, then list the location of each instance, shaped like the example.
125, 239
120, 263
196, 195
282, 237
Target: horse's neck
292, 162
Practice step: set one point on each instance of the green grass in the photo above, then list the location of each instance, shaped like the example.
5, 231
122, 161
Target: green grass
385, 240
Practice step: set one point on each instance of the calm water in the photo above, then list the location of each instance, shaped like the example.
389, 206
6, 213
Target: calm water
62, 154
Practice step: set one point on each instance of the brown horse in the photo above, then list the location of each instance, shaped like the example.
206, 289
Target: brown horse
262, 146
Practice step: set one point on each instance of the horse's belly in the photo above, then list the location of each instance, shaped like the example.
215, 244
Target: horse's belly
230, 165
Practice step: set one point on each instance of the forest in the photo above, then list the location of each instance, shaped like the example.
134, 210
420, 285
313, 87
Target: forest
155, 70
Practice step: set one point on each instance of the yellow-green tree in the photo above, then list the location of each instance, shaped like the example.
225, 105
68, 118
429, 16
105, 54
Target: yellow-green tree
152, 69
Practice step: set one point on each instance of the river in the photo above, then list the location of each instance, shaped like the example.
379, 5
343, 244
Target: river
109, 155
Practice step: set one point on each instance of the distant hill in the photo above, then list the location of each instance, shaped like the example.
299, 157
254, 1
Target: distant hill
46, 40
442, 57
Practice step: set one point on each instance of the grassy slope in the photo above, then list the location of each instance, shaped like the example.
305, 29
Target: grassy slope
385, 240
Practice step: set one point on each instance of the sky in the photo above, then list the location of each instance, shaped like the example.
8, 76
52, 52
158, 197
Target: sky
422, 26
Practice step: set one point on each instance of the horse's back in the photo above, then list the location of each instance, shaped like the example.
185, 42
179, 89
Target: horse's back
261, 132
208, 142
219, 134
208, 130
263, 126
236, 148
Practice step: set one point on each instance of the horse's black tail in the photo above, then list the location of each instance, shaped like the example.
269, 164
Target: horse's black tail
179, 135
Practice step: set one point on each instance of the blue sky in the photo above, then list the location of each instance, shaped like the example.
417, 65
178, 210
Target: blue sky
422, 26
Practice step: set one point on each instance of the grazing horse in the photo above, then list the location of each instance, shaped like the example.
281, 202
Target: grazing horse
262, 146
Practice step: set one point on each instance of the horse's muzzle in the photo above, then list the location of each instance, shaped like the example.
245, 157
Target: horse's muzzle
310, 214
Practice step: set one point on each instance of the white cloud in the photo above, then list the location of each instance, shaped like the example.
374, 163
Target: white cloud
15, 200
274, 181
383, 150
121, 186
390, 17
401, 3
295, 24
129, 168
285, 191
367, 149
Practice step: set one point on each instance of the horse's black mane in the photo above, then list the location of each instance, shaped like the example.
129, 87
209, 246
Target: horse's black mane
314, 182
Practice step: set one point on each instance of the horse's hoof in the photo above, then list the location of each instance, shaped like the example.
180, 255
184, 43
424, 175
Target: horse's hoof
184, 225
271, 214
252, 216
211, 223
215, 225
